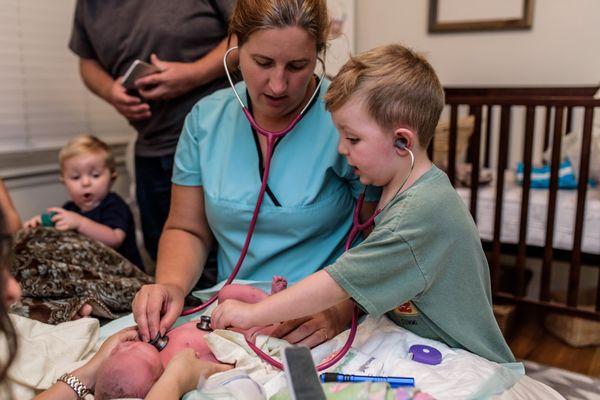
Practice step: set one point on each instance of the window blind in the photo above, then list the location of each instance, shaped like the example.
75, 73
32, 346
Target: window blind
43, 101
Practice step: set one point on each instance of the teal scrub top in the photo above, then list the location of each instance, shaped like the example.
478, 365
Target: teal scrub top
313, 184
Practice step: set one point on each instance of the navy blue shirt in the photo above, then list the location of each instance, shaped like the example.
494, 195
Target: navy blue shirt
114, 213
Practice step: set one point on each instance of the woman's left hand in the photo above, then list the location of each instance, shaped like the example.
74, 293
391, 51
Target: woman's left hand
234, 313
87, 372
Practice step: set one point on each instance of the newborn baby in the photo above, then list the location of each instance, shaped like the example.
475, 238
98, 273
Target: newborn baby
133, 367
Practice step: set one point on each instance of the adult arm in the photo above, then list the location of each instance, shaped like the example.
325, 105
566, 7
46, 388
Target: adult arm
87, 373
178, 78
11, 216
182, 253
112, 91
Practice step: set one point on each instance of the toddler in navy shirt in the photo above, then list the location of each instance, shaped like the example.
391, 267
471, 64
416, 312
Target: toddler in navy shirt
87, 169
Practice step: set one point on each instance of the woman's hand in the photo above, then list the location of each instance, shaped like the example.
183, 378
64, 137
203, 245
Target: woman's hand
316, 329
234, 313
151, 303
183, 374
87, 372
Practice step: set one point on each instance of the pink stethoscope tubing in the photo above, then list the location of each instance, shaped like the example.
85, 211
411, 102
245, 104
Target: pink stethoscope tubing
271, 138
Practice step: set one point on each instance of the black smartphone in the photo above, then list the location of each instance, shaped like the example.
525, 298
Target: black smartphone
301, 374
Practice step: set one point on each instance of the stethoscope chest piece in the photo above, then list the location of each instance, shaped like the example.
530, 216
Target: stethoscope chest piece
160, 342
204, 323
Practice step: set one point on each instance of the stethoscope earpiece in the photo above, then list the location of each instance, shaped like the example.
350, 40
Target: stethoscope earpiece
400, 143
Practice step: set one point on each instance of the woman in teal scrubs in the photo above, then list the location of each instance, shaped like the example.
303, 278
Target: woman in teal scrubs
307, 209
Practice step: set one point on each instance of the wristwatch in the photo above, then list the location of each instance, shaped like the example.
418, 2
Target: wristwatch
74, 383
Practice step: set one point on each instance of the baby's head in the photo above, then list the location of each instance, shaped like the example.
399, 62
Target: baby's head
397, 87
130, 371
87, 168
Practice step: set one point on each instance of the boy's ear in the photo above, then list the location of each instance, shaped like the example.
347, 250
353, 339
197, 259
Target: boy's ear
404, 139
113, 176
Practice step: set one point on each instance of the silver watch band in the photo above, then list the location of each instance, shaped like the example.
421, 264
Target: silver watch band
74, 383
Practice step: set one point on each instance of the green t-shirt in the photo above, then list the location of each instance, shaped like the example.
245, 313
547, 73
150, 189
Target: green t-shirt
424, 266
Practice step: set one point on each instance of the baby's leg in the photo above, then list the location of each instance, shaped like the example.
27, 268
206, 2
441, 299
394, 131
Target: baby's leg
278, 284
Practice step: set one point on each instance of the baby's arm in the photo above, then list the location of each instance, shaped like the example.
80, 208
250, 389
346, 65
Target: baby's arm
313, 294
69, 220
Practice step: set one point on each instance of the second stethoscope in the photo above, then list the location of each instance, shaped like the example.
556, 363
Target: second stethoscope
356, 227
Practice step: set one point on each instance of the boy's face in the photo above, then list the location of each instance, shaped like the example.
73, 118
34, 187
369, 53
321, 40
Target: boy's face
87, 179
368, 149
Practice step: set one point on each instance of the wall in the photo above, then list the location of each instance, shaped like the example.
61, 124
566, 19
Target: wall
561, 48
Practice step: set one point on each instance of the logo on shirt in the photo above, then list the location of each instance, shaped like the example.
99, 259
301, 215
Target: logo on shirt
406, 309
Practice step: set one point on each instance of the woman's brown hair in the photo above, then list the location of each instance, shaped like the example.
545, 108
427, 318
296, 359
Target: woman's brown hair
251, 15
6, 327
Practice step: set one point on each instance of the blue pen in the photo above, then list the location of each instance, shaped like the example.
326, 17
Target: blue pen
394, 381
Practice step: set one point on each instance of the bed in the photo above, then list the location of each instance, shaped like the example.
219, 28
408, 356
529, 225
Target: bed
529, 125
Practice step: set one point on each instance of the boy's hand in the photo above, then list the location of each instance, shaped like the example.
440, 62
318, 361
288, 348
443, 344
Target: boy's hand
234, 313
65, 220
33, 222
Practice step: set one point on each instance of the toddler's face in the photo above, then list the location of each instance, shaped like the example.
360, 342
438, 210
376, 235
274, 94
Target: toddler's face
368, 149
87, 179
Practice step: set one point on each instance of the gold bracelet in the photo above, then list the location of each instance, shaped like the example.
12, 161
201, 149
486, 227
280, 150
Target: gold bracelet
74, 383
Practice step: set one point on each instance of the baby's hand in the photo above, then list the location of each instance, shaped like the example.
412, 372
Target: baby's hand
234, 313
65, 220
33, 222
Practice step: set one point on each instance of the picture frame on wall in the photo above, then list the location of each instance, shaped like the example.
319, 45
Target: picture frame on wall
447, 16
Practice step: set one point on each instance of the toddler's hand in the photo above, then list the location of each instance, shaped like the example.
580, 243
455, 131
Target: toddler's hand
65, 220
33, 222
234, 313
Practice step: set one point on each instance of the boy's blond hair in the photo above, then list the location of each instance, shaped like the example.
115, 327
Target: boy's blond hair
398, 87
86, 144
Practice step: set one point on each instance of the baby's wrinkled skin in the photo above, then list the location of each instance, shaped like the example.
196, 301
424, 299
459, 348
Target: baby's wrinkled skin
147, 363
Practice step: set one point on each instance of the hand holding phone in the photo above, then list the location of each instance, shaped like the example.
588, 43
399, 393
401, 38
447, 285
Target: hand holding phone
137, 70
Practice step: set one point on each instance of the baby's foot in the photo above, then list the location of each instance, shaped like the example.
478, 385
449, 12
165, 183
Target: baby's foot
278, 284
84, 311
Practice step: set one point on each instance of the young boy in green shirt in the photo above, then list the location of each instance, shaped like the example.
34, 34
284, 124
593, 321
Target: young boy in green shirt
423, 264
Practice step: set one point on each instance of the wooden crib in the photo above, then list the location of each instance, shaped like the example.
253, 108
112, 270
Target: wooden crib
545, 114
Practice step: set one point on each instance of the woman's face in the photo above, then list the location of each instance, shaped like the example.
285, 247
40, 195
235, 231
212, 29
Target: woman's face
277, 65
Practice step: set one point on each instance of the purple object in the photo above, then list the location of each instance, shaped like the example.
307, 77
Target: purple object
425, 354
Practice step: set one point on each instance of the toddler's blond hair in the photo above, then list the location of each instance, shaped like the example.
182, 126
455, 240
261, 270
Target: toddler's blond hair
86, 144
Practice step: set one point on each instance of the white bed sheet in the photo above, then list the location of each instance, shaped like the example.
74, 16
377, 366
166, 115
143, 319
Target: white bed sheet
564, 226
380, 348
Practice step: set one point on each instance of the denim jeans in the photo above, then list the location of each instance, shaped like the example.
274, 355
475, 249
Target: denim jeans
153, 192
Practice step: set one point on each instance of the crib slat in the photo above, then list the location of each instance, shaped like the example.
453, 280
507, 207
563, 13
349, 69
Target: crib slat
550, 218
475, 155
547, 126
502, 160
527, 156
575, 268
488, 135
452, 144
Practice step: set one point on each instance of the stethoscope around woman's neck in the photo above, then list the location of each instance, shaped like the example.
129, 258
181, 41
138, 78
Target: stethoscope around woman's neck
356, 228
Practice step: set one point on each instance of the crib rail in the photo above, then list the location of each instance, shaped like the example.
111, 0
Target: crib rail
552, 111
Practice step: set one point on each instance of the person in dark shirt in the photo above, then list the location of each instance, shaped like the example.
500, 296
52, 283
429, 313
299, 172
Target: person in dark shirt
87, 169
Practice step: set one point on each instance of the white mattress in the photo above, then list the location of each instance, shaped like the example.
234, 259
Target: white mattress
564, 224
